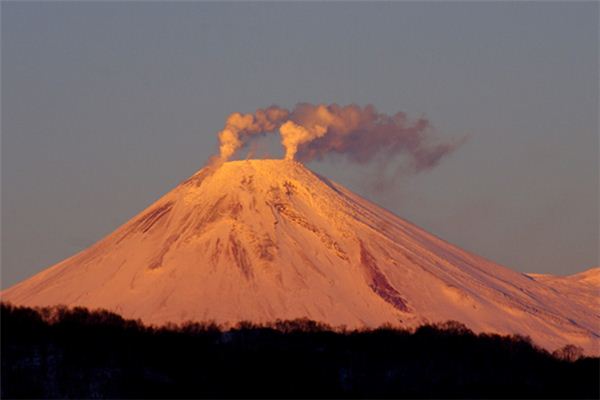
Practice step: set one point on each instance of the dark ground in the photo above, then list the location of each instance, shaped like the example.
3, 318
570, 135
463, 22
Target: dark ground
81, 354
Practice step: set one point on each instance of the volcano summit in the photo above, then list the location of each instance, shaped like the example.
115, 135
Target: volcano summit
261, 240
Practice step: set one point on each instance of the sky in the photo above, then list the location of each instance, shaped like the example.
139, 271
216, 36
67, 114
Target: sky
107, 106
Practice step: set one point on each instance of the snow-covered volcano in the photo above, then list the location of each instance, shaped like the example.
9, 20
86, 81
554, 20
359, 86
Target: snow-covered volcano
261, 240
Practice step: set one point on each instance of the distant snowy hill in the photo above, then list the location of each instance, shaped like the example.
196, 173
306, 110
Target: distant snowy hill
261, 240
583, 287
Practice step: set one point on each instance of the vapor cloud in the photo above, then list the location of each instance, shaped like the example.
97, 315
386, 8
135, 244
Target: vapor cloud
294, 135
361, 134
240, 127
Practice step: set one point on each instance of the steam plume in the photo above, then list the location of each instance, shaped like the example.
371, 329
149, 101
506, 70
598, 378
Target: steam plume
238, 127
293, 135
361, 134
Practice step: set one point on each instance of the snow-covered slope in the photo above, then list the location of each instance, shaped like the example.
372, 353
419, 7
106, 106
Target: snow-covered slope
583, 287
590, 278
266, 239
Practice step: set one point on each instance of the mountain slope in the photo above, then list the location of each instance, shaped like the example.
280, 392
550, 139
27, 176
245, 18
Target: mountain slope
583, 287
265, 239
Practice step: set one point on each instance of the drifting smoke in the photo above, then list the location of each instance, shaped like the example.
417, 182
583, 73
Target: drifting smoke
361, 134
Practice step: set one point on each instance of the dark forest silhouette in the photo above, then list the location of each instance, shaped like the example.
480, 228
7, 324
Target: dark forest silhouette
60, 352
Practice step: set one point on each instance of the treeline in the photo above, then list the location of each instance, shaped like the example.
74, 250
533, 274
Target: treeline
76, 353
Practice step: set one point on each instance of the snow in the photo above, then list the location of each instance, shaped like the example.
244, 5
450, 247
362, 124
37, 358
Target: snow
260, 240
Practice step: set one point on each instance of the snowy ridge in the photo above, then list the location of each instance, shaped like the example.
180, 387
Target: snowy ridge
268, 239
583, 287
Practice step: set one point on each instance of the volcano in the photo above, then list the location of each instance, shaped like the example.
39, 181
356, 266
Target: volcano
261, 240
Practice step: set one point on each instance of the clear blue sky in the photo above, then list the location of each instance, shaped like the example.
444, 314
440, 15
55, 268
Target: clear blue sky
107, 106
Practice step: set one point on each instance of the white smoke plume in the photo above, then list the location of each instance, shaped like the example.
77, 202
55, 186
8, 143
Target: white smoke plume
293, 135
361, 134
239, 127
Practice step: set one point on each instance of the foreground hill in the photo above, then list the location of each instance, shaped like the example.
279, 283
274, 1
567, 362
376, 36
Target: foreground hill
261, 240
